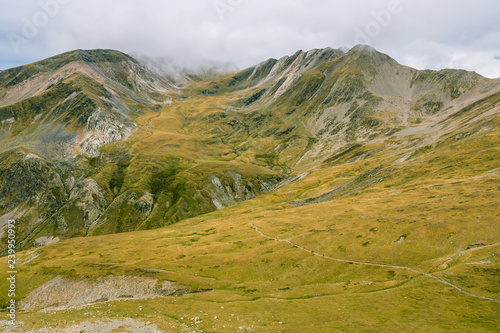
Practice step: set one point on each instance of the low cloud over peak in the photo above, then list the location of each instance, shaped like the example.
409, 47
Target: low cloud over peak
423, 34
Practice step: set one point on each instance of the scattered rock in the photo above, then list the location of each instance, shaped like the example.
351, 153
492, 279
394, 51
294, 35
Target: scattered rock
43, 241
61, 293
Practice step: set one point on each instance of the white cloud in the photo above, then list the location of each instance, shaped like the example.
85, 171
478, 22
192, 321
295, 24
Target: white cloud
426, 34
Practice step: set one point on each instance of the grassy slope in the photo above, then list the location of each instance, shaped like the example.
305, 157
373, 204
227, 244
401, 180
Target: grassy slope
421, 213
167, 137
443, 200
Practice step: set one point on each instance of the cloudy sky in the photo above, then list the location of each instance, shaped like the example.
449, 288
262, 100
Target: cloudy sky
422, 34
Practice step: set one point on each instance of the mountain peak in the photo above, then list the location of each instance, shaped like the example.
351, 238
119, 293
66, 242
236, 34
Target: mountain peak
363, 48
103, 55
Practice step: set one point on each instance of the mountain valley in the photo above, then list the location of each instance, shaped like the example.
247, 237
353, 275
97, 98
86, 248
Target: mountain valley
328, 190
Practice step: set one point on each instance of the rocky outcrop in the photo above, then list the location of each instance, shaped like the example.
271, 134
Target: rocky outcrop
145, 204
230, 189
121, 325
125, 213
62, 293
43, 241
90, 198
102, 128
28, 179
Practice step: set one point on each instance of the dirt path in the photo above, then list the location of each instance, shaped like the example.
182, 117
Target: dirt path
449, 284
149, 129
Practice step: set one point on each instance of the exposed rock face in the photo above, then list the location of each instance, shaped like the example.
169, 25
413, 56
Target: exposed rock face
14, 214
91, 200
61, 293
102, 129
28, 179
42, 241
234, 190
123, 325
145, 204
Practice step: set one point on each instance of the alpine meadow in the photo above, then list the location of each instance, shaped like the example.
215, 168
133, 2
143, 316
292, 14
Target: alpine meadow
331, 190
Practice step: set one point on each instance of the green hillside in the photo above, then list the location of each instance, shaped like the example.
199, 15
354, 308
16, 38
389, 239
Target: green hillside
327, 191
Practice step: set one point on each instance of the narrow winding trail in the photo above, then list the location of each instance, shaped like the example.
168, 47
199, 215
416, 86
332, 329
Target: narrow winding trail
149, 129
431, 276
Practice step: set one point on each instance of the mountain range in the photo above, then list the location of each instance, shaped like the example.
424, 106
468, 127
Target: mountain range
332, 178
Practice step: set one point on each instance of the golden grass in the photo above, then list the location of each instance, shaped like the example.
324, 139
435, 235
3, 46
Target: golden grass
437, 205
